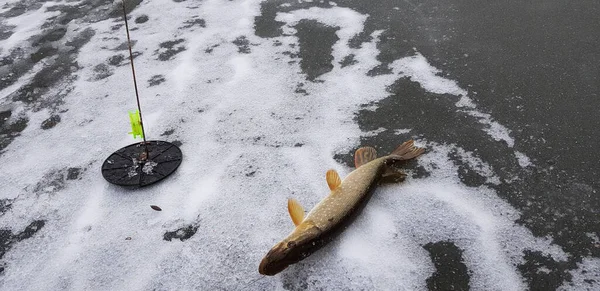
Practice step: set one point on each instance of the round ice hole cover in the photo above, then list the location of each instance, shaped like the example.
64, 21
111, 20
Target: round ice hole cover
130, 166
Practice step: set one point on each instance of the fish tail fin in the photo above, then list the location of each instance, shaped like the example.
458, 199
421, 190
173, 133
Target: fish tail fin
407, 151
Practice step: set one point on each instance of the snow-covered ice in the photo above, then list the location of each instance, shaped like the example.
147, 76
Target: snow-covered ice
249, 142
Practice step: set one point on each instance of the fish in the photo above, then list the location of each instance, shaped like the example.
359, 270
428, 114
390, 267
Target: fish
336, 212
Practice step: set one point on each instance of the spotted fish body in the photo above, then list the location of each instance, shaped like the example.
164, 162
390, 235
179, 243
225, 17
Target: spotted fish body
342, 200
336, 211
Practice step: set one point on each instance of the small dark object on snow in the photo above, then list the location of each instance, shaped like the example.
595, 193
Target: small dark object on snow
128, 238
155, 207
182, 234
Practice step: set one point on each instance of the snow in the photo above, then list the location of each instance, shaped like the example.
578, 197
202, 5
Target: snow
239, 122
523, 160
585, 277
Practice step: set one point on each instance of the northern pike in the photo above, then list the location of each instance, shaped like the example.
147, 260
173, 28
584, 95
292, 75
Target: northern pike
336, 211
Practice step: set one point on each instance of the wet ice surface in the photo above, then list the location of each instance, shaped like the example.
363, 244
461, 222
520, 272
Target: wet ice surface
255, 129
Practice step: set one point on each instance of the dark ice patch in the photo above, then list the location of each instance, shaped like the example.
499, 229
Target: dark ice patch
85, 11
30, 230
290, 54
348, 61
265, 24
296, 278
466, 173
560, 206
182, 234
451, 273
80, 39
156, 80
168, 132
378, 70
300, 89
19, 125
250, 171
73, 173
125, 45
177, 143
549, 200
19, 8
50, 122
410, 106
50, 75
51, 35
8, 239
55, 180
43, 52
52, 182
116, 60
194, 22
316, 45
4, 117
211, 48
141, 19
543, 272
45, 79
356, 41
10, 128
6, 31
117, 10
13, 66
102, 71
242, 44
168, 49
5, 205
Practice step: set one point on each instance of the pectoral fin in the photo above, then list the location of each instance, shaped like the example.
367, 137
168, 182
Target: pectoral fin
333, 179
364, 155
296, 211
392, 175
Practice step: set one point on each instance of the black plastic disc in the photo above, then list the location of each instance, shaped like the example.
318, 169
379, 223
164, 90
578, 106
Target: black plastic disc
129, 166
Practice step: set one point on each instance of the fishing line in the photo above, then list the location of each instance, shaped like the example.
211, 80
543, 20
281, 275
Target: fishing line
255, 280
137, 95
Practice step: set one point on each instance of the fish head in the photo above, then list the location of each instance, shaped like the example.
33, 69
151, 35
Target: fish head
289, 251
276, 259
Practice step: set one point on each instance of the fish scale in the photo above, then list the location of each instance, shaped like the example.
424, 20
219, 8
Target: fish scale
342, 200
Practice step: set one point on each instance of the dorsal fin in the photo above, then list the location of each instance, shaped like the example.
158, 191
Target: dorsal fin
296, 211
364, 155
333, 179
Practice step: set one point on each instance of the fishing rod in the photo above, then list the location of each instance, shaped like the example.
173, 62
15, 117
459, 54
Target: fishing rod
157, 160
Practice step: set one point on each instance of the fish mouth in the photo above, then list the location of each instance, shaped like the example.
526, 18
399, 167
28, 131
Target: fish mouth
290, 251
275, 261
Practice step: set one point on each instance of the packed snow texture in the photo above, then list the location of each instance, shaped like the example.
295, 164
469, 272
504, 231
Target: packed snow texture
240, 123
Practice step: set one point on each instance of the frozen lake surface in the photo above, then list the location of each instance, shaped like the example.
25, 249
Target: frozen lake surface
263, 98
